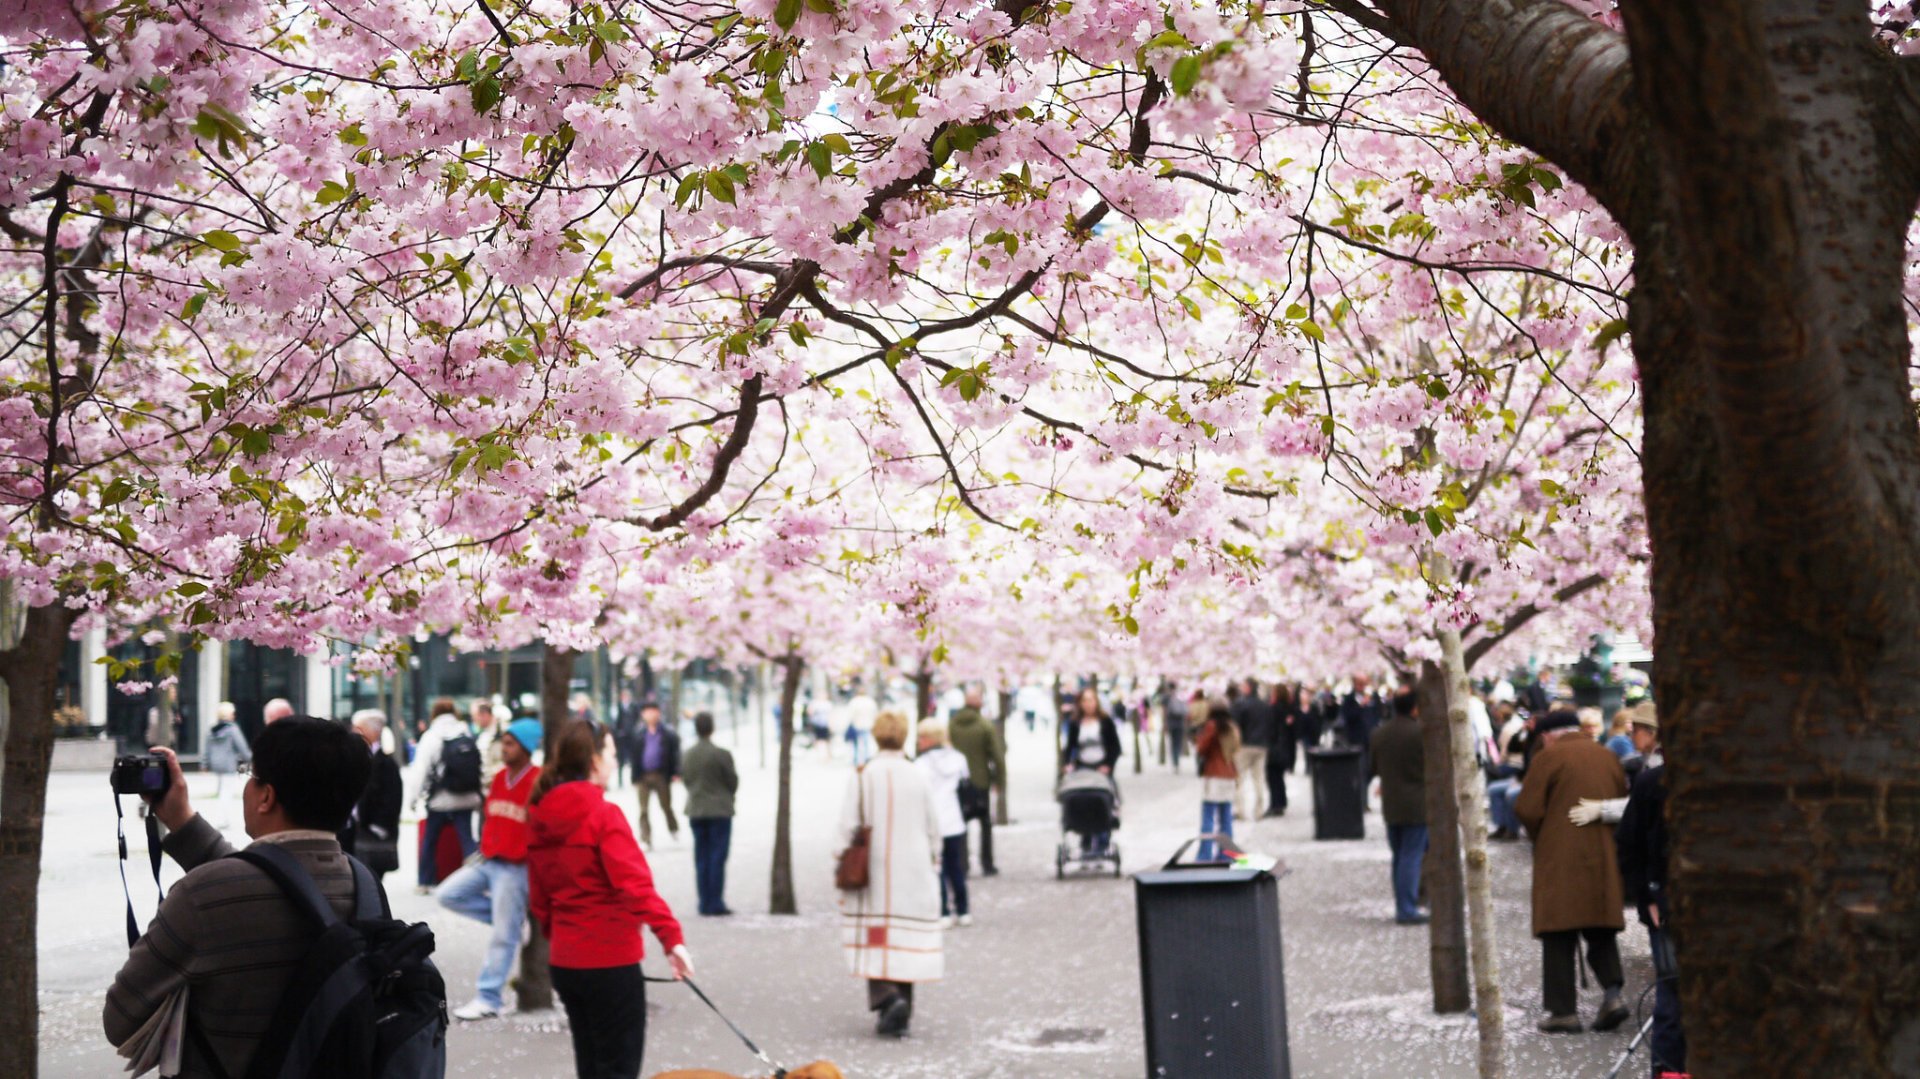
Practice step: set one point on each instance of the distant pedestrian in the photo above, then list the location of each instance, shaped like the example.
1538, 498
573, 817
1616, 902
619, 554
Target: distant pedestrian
226, 748
1173, 722
1216, 744
890, 930
945, 771
711, 781
276, 710
373, 833
590, 891
1254, 716
626, 729
1359, 712
986, 755
493, 890
486, 734
861, 712
446, 774
1576, 878
1281, 752
1398, 757
1093, 739
657, 753
1620, 736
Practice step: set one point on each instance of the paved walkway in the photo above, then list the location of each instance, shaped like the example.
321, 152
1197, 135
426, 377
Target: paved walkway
1046, 984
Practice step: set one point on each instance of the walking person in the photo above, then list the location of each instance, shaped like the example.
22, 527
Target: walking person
1642, 842
226, 749
590, 891
373, 832
1254, 716
493, 890
626, 730
1280, 755
446, 773
1398, 757
1216, 745
657, 756
1093, 739
1173, 722
1576, 876
986, 755
890, 929
945, 771
486, 734
711, 782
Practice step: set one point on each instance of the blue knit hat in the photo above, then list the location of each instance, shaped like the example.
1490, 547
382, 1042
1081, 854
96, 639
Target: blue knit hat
527, 733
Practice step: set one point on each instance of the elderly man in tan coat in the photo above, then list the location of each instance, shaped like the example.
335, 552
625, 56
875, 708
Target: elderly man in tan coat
1576, 880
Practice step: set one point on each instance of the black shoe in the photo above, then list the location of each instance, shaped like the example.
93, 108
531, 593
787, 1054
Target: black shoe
1421, 918
893, 1018
1560, 1024
989, 871
1612, 1011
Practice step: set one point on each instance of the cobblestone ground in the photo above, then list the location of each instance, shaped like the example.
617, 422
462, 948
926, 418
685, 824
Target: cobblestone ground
1046, 984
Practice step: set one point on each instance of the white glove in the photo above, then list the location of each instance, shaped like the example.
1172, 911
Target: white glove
681, 961
1585, 812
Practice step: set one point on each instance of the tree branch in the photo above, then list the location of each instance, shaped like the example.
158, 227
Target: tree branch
1513, 623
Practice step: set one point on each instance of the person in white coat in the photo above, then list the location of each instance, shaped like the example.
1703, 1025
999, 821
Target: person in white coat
451, 798
945, 768
890, 930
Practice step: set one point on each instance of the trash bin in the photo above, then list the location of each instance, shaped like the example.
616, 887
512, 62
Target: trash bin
1339, 793
1212, 1010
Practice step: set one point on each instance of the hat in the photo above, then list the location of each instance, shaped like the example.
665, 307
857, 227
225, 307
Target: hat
1645, 716
527, 733
1557, 720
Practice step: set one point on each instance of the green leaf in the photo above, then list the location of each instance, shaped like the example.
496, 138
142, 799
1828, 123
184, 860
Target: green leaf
330, 193
1434, 524
837, 143
221, 240
687, 188
720, 186
1186, 75
1611, 332
486, 94
1312, 329
820, 158
786, 13
193, 305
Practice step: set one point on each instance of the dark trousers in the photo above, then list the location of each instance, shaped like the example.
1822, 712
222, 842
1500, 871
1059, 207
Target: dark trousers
879, 992
1556, 966
986, 843
461, 821
712, 837
1176, 742
607, 1015
953, 874
1279, 763
1669, 1041
1409, 843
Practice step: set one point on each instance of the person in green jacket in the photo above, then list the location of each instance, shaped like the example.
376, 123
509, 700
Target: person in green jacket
986, 754
707, 770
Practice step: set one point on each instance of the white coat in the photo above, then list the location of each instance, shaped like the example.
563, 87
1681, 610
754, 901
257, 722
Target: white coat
890, 930
944, 767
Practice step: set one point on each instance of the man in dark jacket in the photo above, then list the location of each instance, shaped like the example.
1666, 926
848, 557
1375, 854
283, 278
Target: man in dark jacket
656, 757
1642, 842
1285, 708
711, 781
1254, 716
978, 741
372, 835
1397, 755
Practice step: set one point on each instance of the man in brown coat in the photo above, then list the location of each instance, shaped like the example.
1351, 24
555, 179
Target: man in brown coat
1576, 880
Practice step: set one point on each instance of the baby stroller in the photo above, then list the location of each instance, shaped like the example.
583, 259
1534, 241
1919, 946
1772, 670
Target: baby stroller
1089, 808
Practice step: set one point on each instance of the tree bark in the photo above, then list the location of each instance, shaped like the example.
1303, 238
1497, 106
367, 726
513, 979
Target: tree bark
1006, 709
922, 694
534, 989
1445, 876
781, 898
31, 669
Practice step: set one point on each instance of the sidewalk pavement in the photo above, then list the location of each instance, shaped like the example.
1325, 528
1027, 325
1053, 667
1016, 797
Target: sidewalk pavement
1045, 984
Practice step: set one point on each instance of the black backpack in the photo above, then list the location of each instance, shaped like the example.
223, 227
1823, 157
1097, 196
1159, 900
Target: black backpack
459, 771
365, 1002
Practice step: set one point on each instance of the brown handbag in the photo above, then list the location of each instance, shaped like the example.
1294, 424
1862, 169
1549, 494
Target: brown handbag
851, 872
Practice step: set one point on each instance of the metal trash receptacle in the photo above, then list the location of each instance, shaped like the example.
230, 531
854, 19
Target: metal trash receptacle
1339, 793
1210, 972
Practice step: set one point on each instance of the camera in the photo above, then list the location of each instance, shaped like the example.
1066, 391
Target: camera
143, 773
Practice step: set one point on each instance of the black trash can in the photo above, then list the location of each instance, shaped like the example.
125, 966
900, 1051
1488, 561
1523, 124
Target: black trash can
1339, 793
1212, 1009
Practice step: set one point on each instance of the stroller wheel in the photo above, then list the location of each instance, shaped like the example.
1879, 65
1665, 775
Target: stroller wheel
1060, 863
1115, 851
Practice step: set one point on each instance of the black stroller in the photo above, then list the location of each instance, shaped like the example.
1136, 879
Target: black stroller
1089, 808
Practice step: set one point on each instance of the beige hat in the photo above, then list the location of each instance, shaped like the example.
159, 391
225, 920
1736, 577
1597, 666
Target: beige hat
1644, 716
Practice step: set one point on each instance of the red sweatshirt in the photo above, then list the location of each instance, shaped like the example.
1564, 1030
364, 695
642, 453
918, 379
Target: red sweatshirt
590, 889
503, 831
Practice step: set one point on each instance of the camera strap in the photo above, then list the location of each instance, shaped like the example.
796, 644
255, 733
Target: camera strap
153, 855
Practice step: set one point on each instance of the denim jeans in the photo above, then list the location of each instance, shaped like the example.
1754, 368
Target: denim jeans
462, 822
1669, 1043
953, 875
712, 837
1216, 818
1409, 843
1500, 797
493, 892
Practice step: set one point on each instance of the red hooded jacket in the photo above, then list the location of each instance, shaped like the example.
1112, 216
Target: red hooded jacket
589, 887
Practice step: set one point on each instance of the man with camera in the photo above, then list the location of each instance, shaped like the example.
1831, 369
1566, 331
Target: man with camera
226, 930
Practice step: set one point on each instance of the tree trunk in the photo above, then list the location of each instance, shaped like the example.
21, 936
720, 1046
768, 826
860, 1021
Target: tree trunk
781, 896
1471, 795
31, 670
1059, 740
1139, 755
1445, 880
922, 694
1006, 709
534, 988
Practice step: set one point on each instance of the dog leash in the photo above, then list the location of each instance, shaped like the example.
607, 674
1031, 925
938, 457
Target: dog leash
778, 1071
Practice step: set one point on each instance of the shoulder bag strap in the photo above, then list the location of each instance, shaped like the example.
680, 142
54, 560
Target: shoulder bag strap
294, 880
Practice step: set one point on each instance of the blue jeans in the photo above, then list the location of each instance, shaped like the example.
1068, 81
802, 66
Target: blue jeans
1500, 797
712, 837
1409, 843
1216, 818
493, 892
462, 822
1669, 1041
953, 875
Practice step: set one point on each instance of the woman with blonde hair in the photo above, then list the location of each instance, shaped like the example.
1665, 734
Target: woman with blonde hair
890, 928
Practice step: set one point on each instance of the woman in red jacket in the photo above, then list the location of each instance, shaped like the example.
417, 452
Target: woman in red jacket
590, 892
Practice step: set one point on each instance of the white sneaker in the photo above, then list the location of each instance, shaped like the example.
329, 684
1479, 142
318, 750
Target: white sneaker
946, 921
475, 1009
965, 920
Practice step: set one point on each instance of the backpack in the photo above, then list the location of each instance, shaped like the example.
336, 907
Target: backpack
459, 770
365, 1002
